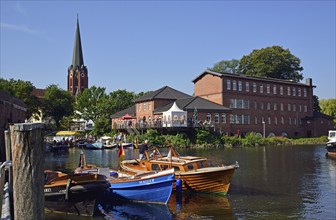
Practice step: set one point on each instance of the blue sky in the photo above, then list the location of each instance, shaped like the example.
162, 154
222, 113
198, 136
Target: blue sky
144, 45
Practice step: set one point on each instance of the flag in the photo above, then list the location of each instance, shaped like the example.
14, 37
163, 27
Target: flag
121, 155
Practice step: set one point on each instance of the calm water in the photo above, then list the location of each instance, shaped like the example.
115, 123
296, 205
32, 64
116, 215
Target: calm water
297, 182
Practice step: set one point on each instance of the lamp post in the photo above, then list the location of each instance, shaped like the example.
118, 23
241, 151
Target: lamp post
264, 129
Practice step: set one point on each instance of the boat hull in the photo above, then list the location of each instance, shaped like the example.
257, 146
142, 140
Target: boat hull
207, 180
152, 189
331, 149
94, 146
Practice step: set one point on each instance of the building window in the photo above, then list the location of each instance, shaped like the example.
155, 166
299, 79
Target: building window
228, 84
289, 121
288, 90
294, 91
216, 118
304, 92
232, 119
139, 107
208, 117
289, 107
281, 107
275, 107
255, 105
268, 106
144, 106
299, 91
305, 108
262, 120
275, 120
268, 87
149, 106
223, 118
261, 88
246, 104
300, 108
255, 120
262, 106
233, 103
254, 87
281, 90
295, 122
274, 90
269, 120
234, 85
294, 107
240, 86
247, 86
282, 120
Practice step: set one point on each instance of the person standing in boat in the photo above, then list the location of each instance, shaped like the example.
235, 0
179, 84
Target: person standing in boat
142, 149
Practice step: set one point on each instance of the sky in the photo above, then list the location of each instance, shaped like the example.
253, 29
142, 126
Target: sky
144, 45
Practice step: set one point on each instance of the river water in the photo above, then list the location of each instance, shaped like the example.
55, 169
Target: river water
272, 182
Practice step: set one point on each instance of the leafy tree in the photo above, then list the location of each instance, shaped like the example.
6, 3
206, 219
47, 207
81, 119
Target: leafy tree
316, 105
328, 107
22, 90
57, 103
272, 62
226, 66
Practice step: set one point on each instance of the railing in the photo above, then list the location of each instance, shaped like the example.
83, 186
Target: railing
4, 166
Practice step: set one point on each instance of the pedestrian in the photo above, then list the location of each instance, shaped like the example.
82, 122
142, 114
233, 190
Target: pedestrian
142, 149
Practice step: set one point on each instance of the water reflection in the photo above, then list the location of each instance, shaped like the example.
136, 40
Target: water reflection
200, 206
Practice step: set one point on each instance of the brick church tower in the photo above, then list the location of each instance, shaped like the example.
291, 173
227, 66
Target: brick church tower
78, 79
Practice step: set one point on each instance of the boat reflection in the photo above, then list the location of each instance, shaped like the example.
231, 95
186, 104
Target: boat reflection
203, 206
129, 210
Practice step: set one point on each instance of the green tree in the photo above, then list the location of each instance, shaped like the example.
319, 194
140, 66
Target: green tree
328, 107
272, 62
316, 105
226, 66
22, 90
57, 103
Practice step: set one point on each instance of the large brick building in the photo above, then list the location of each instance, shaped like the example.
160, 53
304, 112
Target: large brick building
78, 78
268, 106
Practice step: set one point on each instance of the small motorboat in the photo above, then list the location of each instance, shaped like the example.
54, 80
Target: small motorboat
95, 146
331, 144
77, 194
110, 145
197, 173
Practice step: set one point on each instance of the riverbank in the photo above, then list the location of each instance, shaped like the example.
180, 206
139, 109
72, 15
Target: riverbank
206, 139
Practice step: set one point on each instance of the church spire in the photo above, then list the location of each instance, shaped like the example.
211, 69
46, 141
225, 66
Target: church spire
77, 57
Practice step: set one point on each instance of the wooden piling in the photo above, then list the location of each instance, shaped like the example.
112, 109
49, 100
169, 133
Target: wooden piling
28, 166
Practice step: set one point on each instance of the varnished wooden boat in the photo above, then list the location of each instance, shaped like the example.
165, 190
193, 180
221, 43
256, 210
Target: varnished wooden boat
73, 194
196, 173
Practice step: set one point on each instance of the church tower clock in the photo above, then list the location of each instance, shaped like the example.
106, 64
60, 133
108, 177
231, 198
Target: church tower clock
78, 79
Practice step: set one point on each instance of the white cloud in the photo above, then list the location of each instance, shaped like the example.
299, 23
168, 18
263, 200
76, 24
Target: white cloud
21, 28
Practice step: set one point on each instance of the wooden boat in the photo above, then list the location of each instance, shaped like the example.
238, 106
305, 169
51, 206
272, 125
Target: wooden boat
331, 144
126, 145
151, 187
74, 194
197, 173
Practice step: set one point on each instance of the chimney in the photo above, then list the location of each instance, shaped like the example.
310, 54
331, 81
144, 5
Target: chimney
309, 81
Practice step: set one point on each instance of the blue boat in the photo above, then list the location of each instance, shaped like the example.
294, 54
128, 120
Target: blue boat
149, 188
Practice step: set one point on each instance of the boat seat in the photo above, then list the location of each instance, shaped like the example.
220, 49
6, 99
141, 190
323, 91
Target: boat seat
104, 171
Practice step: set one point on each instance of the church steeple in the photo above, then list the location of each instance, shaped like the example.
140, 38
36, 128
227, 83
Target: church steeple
77, 57
78, 78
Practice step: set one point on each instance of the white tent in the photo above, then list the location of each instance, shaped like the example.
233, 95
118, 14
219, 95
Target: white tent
175, 117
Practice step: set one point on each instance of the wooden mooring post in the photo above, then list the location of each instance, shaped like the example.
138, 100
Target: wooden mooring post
28, 175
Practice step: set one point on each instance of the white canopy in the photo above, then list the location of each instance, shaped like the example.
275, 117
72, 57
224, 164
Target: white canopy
175, 117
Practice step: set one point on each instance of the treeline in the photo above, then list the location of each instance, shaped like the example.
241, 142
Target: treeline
207, 139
